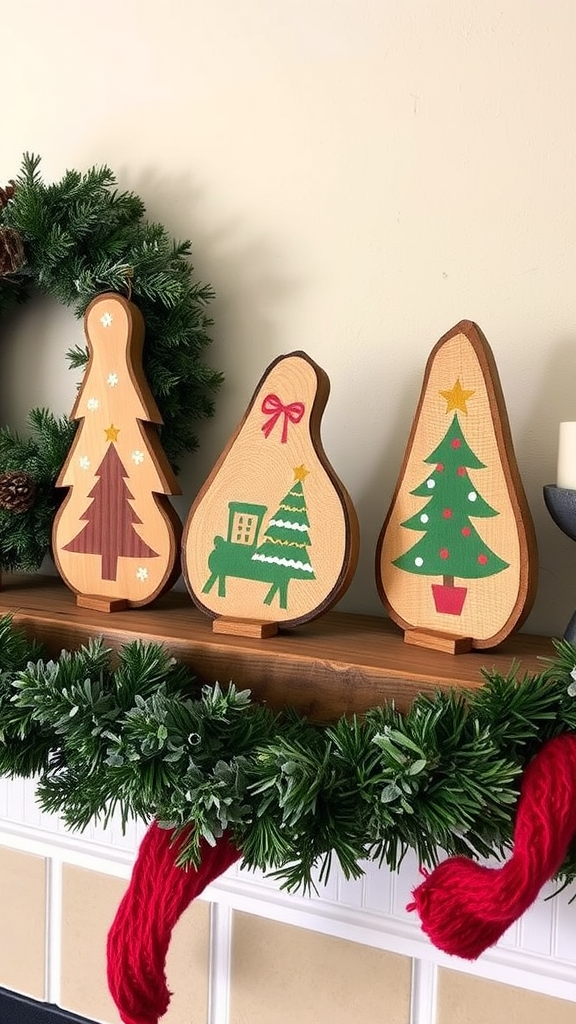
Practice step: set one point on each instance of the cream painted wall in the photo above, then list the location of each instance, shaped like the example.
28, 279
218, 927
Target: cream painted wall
356, 176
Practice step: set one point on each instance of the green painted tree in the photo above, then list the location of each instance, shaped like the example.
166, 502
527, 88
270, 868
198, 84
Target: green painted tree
284, 547
450, 546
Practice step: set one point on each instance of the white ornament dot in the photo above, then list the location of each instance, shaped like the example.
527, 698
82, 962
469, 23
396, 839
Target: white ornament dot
418, 561
430, 483
424, 518
472, 496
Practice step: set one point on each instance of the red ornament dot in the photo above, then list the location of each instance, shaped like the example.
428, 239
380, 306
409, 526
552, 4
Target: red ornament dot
482, 559
456, 442
447, 513
461, 471
444, 553
440, 467
466, 531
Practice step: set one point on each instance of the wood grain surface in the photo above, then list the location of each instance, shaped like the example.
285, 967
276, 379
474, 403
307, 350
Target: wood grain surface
339, 664
447, 526
272, 534
116, 536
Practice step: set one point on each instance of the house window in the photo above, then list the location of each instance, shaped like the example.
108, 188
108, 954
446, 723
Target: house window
244, 528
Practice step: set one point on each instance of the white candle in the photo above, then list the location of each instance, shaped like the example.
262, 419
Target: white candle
566, 474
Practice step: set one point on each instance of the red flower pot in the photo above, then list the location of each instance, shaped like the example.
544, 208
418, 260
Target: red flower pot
449, 600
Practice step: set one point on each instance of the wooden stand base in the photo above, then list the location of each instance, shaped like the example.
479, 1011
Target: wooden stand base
101, 604
446, 642
258, 628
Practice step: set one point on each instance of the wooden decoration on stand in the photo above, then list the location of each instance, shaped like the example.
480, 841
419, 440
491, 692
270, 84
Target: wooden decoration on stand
456, 562
116, 536
272, 538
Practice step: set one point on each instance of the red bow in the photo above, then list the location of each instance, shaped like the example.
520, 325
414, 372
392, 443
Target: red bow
273, 407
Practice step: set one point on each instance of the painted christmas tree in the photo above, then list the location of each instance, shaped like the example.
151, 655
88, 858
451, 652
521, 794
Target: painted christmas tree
284, 548
451, 545
115, 537
109, 531
469, 515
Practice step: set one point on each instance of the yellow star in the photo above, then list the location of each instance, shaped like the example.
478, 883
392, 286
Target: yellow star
300, 472
111, 432
457, 397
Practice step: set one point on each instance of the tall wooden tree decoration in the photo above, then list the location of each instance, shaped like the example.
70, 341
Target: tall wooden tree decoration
469, 576
272, 538
116, 536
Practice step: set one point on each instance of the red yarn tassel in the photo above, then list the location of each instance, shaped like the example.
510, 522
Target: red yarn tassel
465, 907
157, 895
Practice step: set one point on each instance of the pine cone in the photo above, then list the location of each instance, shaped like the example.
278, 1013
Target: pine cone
17, 491
11, 251
7, 193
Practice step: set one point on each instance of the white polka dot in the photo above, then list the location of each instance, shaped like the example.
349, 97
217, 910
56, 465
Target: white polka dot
472, 496
418, 562
424, 518
430, 483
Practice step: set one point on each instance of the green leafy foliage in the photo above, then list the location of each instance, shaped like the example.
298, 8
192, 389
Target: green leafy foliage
25, 536
135, 732
83, 236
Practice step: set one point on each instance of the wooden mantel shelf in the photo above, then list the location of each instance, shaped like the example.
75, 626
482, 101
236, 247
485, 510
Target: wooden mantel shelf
339, 664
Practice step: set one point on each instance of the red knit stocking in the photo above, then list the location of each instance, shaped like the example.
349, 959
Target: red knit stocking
157, 895
465, 907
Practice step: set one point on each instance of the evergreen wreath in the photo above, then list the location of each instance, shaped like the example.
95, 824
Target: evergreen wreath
135, 732
71, 240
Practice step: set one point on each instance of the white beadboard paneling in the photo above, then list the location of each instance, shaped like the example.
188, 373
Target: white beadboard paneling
350, 891
564, 937
511, 937
378, 889
537, 927
326, 890
13, 801
402, 883
18, 804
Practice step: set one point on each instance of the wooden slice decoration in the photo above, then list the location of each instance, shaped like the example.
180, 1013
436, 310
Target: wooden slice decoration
456, 562
272, 538
116, 536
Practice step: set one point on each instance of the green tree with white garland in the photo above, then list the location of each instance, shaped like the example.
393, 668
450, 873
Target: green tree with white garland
285, 544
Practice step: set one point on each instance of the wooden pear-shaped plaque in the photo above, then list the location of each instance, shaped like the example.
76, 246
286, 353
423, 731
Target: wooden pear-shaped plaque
456, 562
272, 537
116, 536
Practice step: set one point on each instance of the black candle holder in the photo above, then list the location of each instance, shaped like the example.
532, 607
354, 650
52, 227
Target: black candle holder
561, 504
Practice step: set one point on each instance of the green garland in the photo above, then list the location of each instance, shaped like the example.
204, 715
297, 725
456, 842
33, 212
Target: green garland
138, 734
71, 240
